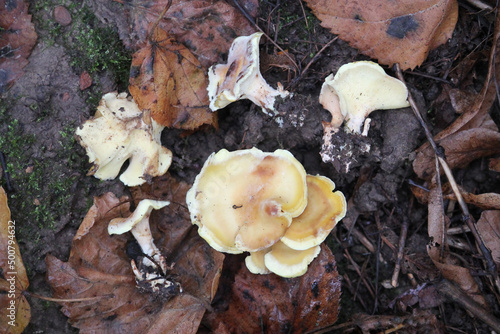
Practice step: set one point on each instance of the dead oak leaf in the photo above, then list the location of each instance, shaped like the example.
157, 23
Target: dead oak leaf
249, 303
15, 310
393, 32
98, 268
206, 27
17, 38
166, 78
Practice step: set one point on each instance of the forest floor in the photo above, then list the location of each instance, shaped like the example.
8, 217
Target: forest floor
50, 193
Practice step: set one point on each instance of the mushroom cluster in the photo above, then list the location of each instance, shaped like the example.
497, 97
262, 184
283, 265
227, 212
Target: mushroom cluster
120, 131
265, 204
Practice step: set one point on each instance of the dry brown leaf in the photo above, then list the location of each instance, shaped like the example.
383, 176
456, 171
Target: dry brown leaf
494, 164
17, 38
15, 310
489, 228
206, 27
98, 266
248, 303
167, 79
449, 267
460, 149
393, 32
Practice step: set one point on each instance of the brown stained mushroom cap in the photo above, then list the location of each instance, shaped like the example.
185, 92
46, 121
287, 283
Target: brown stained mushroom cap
245, 200
287, 262
240, 78
325, 208
363, 87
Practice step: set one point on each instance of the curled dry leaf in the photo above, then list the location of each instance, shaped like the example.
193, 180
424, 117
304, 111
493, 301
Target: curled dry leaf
206, 27
15, 310
17, 38
460, 149
402, 32
99, 267
489, 228
272, 304
443, 260
166, 78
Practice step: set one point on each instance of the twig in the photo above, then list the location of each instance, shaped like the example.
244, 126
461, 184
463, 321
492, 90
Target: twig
402, 243
490, 264
458, 296
296, 80
162, 14
479, 4
359, 271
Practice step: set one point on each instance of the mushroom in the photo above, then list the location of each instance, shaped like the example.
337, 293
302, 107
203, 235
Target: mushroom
245, 200
150, 272
138, 224
240, 78
357, 89
288, 262
120, 131
255, 262
324, 210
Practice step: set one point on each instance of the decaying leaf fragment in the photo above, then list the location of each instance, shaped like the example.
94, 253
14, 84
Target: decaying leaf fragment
402, 32
99, 267
489, 228
120, 131
17, 39
15, 310
167, 79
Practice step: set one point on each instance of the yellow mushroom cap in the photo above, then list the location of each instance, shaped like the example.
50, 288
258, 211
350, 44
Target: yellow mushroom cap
255, 262
361, 87
287, 262
324, 210
245, 200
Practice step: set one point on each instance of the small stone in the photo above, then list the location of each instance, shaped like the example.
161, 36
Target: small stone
85, 81
62, 15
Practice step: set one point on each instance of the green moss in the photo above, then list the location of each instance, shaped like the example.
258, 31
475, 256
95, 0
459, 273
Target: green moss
41, 188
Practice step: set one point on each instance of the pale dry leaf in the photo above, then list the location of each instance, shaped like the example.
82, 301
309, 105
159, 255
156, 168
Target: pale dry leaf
392, 32
447, 265
488, 227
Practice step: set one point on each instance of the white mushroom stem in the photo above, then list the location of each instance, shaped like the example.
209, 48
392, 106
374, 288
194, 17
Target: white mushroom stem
138, 224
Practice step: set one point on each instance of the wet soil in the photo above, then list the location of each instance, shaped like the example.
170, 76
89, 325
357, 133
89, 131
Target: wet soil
46, 104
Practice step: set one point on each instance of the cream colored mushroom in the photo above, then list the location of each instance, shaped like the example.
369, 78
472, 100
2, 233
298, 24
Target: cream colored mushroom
324, 210
245, 200
138, 225
120, 131
255, 262
361, 87
287, 262
240, 78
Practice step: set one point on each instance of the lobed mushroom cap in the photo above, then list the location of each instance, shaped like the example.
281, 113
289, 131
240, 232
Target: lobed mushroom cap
362, 87
325, 208
120, 131
245, 200
287, 262
240, 77
141, 212
255, 262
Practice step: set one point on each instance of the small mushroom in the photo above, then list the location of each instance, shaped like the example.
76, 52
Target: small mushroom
120, 131
240, 78
359, 88
325, 208
245, 200
288, 262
